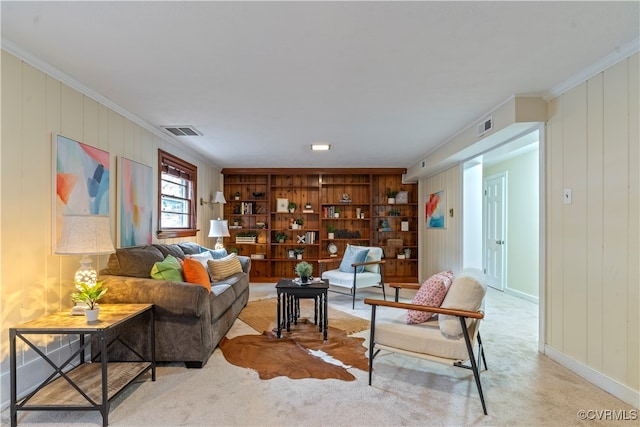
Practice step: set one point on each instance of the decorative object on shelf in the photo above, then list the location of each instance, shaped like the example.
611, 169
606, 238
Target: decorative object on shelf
304, 270
257, 256
307, 205
237, 209
395, 212
85, 235
347, 234
400, 256
237, 222
89, 295
435, 208
358, 212
246, 237
257, 195
407, 253
336, 212
282, 205
291, 254
236, 196
402, 197
219, 228
235, 250
394, 242
384, 225
261, 225
281, 237
300, 222
404, 225
332, 249
302, 239
292, 207
346, 198
298, 251
391, 196
331, 232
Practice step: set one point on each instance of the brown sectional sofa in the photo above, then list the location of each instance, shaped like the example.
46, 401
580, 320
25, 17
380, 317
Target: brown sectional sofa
189, 321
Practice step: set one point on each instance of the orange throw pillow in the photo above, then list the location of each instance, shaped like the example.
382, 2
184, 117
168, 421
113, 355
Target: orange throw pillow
194, 272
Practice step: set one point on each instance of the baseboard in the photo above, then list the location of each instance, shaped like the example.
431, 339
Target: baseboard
622, 392
522, 295
35, 371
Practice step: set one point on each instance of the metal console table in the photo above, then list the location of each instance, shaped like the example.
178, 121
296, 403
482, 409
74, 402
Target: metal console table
88, 386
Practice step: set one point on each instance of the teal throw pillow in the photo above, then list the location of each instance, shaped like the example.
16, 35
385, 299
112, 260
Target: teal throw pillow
169, 269
352, 256
216, 253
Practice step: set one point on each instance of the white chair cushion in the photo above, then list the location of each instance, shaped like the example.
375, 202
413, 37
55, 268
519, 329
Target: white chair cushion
466, 293
345, 280
424, 338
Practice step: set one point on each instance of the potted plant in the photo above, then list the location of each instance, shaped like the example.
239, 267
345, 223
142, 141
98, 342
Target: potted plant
237, 222
330, 232
336, 213
300, 222
237, 195
307, 205
298, 252
234, 251
89, 295
391, 196
304, 270
292, 207
281, 237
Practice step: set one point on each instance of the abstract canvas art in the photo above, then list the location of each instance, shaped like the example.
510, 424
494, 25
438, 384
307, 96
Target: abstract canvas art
435, 209
81, 181
135, 210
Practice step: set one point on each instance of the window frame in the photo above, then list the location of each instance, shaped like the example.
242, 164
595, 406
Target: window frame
169, 160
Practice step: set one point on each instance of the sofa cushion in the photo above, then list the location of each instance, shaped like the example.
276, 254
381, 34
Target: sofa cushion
202, 258
190, 248
169, 269
466, 293
216, 253
431, 293
173, 250
194, 272
353, 255
133, 262
220, 269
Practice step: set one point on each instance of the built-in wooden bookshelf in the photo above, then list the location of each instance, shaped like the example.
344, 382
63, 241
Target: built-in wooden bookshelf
357, 196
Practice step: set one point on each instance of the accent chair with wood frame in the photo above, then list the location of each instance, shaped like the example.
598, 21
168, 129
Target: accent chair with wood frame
360, 267
448, 338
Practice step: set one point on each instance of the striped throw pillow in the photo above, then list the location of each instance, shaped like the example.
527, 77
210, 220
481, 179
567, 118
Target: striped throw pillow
222, 268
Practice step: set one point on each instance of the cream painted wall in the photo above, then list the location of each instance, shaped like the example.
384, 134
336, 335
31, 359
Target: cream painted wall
33, 281
522, 221
592, 252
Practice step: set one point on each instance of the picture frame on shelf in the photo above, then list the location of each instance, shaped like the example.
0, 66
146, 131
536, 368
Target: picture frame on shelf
402, 197
282, 205
291, 254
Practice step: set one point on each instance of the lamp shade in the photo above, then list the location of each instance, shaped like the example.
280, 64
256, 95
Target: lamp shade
85, 235
219, 228
219, 198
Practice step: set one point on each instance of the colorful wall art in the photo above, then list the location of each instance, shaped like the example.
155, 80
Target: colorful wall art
136, 204
81, 181
435, 209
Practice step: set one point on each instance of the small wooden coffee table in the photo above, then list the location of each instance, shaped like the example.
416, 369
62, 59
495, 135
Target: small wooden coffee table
289, 295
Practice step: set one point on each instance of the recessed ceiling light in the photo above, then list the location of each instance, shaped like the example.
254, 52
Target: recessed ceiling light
320, 147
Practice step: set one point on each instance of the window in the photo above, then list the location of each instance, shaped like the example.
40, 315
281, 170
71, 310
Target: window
177, 185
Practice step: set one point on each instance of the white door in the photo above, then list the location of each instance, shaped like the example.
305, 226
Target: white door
494, 229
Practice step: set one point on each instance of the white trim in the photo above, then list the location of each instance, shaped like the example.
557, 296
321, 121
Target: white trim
621, 391
520, 294
620, 54
54, 72
542, 226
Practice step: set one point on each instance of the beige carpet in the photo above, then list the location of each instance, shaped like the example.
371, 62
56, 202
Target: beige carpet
261, 316
522, 387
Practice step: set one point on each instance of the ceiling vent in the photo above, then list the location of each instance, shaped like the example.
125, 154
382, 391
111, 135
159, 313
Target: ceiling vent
182, 130
485, 126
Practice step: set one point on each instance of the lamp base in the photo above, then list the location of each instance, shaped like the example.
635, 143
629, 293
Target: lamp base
219, 244
86, 273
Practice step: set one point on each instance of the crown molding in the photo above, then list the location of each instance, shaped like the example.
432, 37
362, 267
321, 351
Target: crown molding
620, 54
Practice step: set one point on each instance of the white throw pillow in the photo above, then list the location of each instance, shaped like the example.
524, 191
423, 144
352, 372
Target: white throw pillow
466, 293
202, 258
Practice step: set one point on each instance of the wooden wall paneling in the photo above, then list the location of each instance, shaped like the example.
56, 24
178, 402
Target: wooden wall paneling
555, 231
633, 249
616, 199
595, 222
575, 223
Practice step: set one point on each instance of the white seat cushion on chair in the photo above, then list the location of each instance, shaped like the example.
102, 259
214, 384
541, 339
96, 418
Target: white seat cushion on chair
465, 293
423, 338
345, 280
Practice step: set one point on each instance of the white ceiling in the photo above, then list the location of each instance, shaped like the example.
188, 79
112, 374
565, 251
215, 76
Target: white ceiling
383, 82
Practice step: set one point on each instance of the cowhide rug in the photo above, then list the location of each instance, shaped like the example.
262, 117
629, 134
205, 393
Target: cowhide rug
300, 353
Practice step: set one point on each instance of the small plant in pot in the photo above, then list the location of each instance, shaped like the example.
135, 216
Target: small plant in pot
330, 232
304, 270
292, 207
391, 196
298, 252
281, 237
89, 295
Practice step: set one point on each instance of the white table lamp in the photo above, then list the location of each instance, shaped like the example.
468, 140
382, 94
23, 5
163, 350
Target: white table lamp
219, 228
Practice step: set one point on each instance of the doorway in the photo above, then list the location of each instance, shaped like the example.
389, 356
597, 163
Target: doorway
494, 229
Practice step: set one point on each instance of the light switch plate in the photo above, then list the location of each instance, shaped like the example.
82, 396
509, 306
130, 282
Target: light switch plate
567, 196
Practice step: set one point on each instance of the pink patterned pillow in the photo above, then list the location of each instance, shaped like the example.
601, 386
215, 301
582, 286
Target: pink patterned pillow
431, 293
